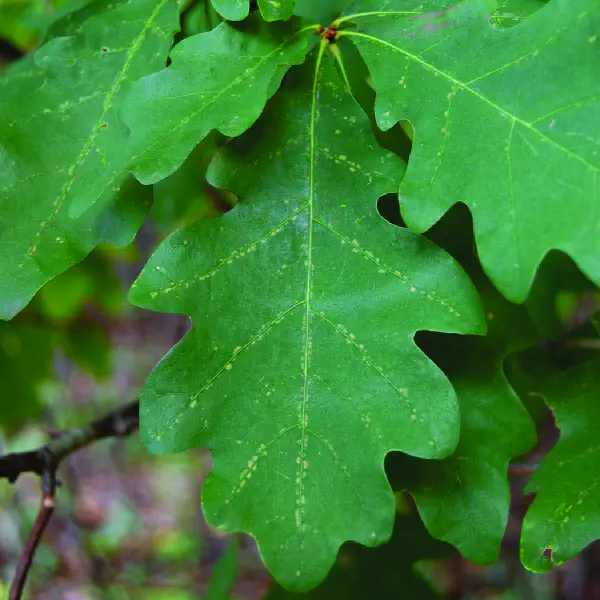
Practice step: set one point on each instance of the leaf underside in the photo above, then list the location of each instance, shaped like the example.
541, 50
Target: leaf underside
498, 115
300, 372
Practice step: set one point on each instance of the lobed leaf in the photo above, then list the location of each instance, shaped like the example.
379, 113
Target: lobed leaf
565, 515
217, 80
506, 121
465, 498
232, 10
300, 372
61, 145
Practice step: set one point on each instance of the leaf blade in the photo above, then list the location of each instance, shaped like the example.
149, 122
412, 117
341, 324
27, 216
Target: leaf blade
304, 184
563, 518
170, 112
68, 96
484, 145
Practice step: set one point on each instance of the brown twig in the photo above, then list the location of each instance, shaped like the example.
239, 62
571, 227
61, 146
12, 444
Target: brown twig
45, 461
522, 470
35, 536
116, 424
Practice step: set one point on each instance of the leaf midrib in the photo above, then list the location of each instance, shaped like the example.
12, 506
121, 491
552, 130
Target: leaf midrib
308, 293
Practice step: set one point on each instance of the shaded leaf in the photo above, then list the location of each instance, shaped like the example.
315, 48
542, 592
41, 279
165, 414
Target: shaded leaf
225, 573
560, 297
565, 515
304, 304
185, 196
465, 498
25, 362
199, 18
317, 11
67, 99
89, 348
232, 10
217, 80
510, 131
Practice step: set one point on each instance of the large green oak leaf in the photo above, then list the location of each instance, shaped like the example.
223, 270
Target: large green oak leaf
565, 515
61, 144
217, 80
300, 371
506, 120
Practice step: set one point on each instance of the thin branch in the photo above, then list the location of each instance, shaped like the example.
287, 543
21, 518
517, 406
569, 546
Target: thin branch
45, 461
35, 536
119, 423
521, 470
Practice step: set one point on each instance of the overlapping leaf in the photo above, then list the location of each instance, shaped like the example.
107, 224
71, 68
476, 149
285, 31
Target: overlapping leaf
185, 197
271, 10
506, 121
61, 144
565, 515
465, 498
317, 11
300, 372
217, 80
512, 12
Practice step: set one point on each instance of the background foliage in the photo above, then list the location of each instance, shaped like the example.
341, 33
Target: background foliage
411, 324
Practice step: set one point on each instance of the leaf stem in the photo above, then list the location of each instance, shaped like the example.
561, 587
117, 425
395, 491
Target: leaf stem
315, 28
47, 505
335, 50
303, 417
376, 13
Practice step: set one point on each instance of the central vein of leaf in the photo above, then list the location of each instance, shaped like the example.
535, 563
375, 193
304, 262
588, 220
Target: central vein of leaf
302, 462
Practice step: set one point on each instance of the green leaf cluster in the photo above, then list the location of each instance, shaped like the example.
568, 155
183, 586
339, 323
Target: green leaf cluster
401, 184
